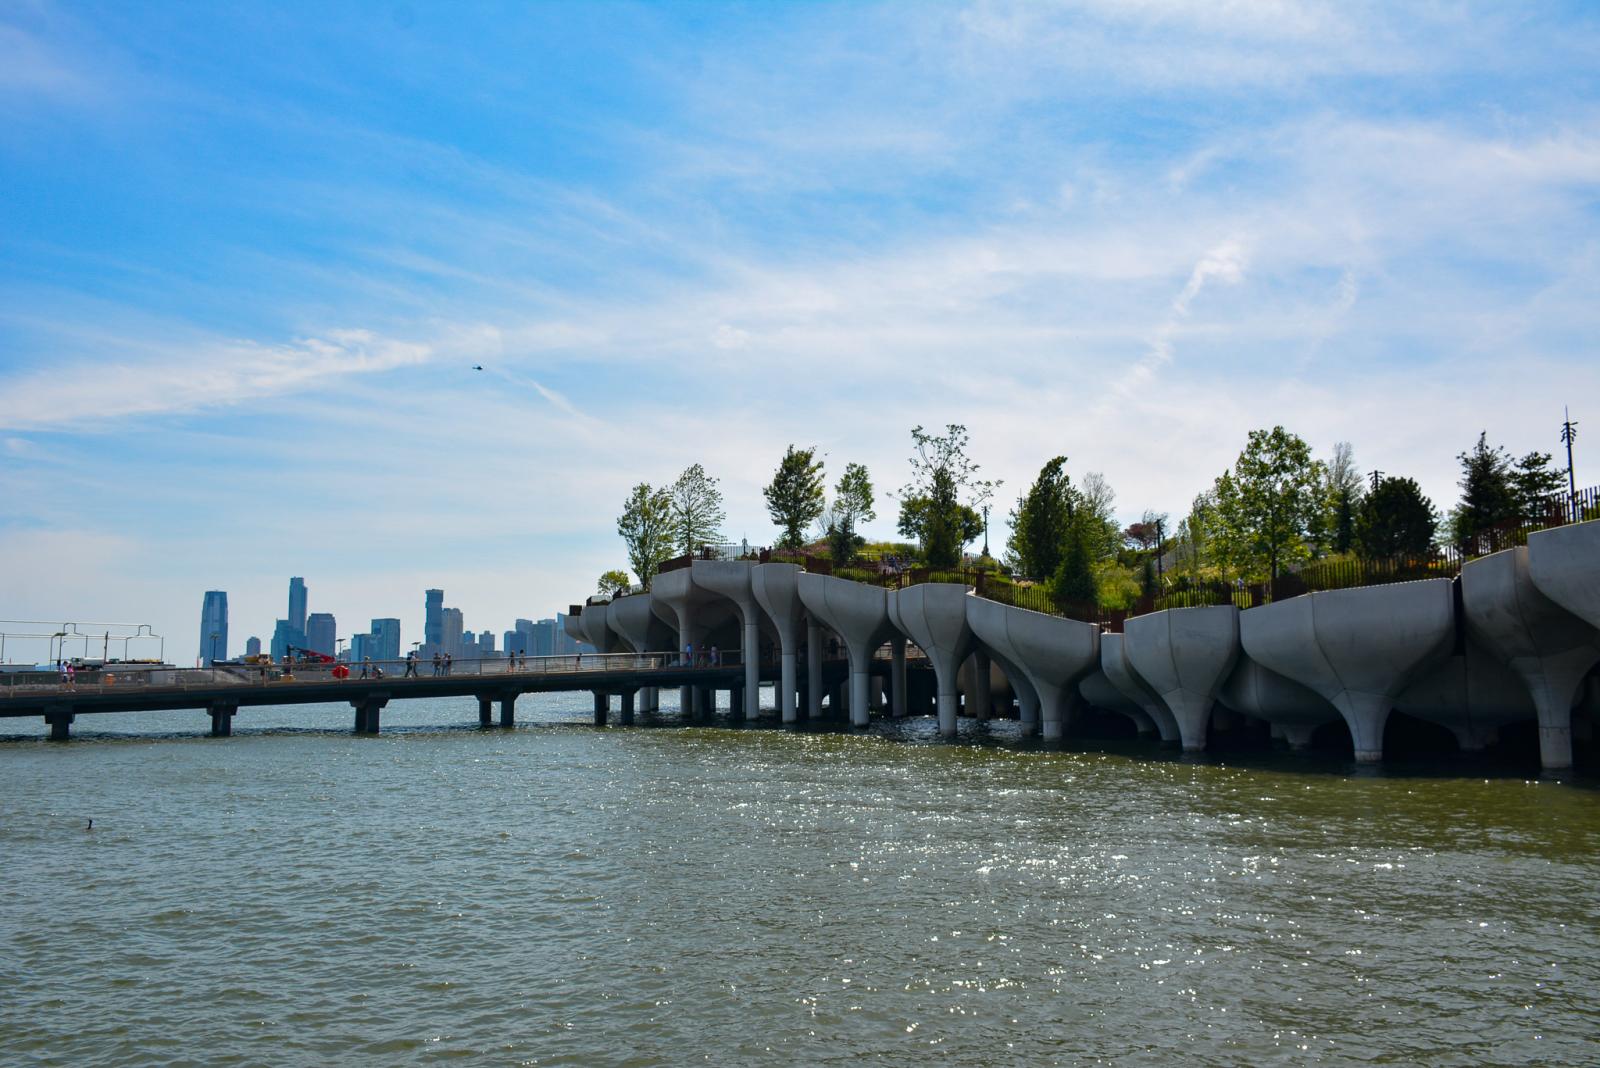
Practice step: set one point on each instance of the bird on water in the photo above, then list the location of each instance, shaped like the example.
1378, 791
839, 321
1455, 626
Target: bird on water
91, 824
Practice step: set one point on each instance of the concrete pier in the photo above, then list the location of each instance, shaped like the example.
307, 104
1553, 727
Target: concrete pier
369, 711
222, 713
485, 710
935, 617
602, 707
1185, 655
776, 590
859, 614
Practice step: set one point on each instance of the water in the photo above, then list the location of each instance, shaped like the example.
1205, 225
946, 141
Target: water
561, 895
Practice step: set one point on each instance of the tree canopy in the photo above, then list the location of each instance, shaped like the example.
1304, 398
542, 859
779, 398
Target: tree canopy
613, 583
1395, 520
647, 529
795, 497
1267, 505
931, 505
1040, 521
696, 509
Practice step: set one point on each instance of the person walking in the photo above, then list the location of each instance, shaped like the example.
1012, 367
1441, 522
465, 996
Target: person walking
411, 664
366, 664
438, 665
449, 663
688, 654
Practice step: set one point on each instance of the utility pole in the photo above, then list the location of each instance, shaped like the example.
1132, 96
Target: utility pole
1569, 434
1160, 542
1377, 477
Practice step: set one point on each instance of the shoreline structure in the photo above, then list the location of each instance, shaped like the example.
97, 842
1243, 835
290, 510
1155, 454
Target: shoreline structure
1516, 637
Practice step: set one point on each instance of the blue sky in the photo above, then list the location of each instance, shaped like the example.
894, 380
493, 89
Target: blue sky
247, 258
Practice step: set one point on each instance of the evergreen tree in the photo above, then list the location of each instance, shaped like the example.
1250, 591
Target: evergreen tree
647, 529
1073, 583
696, 509
1039, 522
1539, 487
1488, 494
1395, 520
794, 497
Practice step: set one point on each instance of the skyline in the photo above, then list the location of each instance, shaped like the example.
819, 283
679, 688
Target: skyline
251, 258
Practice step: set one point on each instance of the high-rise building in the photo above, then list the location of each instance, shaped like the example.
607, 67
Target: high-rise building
361, 648
297, 604
214, 627
486, 643
513, 642
386, 638
286, 639
321, 633
451, 626
252, 646
433, 619
545, 635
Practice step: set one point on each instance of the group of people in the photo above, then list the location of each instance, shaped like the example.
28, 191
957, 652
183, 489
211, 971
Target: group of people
707, 658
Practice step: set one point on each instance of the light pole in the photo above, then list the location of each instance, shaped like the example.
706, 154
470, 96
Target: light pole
1569, 434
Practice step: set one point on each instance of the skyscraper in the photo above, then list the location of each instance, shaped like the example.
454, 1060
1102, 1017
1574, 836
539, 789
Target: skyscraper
433, 619
450, 629
214, 627
297, 604
486, 643
252, 646
321, 633
386, 639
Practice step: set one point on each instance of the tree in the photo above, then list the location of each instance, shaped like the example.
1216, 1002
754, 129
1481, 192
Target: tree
794, 497
614, 583
1073, 582
696, 509
1395, 520
1537, 485
1343, 494
1039, 522
852, 504
647, 529
931, 508
1097, 510
1488, 496
1267, 505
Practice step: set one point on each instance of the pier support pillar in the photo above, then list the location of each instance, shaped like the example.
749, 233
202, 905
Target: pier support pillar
813, 670
897, 678
368, 713
786, 689
60, 721
222, 719
982, 698
602, 707
508, 710
626, 718
485, 710
1298, 735
750, 651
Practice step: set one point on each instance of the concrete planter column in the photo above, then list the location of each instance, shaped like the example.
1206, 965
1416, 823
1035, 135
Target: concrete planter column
935, 617
1052, 653
1125, 680
859, 614
1184, 655
776, 590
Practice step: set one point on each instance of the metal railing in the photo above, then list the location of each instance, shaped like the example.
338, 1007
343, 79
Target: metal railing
115, 678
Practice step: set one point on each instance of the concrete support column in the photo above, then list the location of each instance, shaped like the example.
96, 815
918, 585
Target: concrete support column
982, 698
1142, 722
949, 709
368, 714
751, 651
222, 719
686, 700
786, 688
897, 678
602, 707
60, 722
485, 710
1192, 713
508, 710
860, 711
1298, 735
1365, 714
813, 669
626, 717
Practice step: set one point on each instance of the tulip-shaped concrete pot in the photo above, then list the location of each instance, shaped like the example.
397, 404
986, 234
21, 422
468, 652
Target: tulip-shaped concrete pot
859, 614
1473, 695
573, 625
638, 620
731, 579
1097, 690
1120, 673
1185, 655
1549, 648
777, 591
934, 615
1053, 653
1296, 711
1565, 564
1358, 648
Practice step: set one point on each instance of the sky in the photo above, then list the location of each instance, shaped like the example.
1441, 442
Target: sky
250, 253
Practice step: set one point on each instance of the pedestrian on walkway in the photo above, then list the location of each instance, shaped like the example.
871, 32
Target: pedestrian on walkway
411, 664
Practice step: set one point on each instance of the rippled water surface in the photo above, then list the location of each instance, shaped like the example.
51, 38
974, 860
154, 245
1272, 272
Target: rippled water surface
562, 895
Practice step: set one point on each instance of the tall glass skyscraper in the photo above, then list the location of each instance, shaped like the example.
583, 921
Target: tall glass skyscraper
386, 639
321, 633
297, 604
433, 619
214, 627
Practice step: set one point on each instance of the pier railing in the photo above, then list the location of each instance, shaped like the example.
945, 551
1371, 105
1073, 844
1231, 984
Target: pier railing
120, 677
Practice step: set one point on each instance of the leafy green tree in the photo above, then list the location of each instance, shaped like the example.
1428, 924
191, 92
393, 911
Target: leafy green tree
1039, 522
1097, 511
1538, 486
794, 497
696, 509
931, 505
647, 529
614, 583
852, 505
1342, 499
1395, 520
1267, 505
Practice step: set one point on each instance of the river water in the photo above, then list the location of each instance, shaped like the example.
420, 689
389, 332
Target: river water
557, 894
